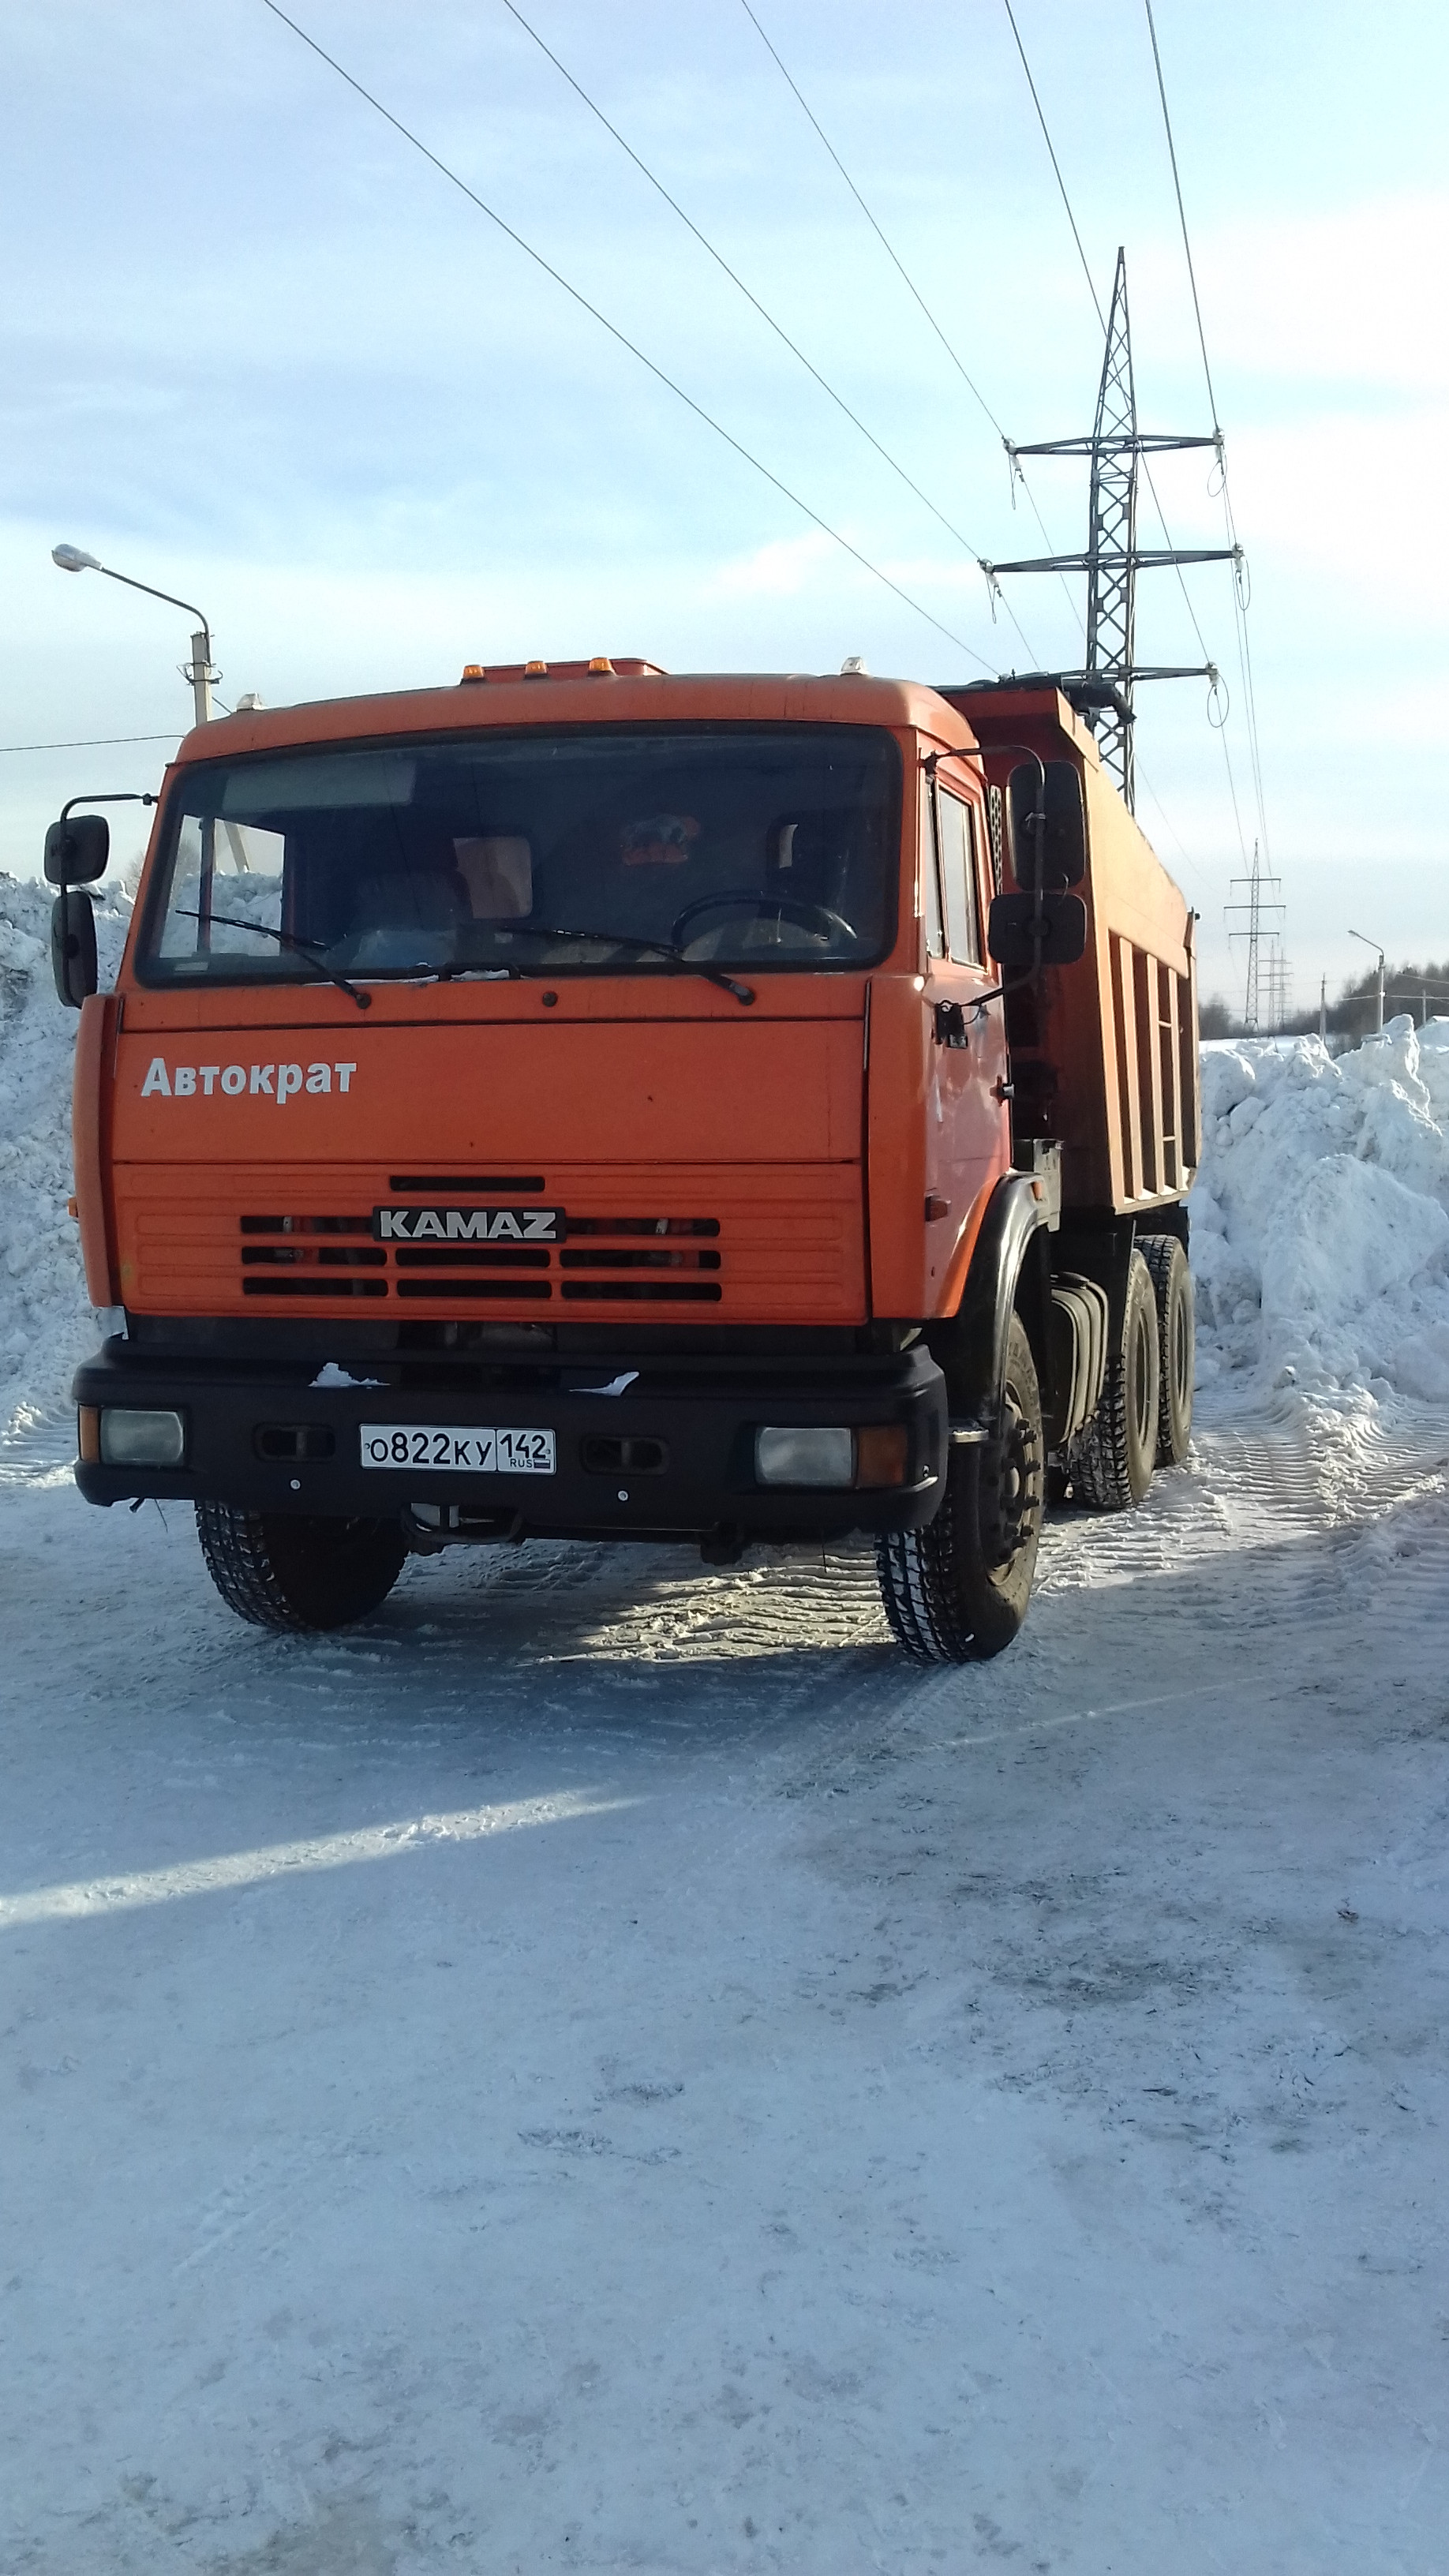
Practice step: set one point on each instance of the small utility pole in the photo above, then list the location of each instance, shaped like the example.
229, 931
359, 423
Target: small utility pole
200, 673
1323, 1010
1379, 978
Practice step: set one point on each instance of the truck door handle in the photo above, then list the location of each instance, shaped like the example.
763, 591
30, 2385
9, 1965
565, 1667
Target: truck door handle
1003, 1091
951, 1025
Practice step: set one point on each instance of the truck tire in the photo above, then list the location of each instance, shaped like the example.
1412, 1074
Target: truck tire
1110, 1462
1176, 1332
281, 1570
957, 1590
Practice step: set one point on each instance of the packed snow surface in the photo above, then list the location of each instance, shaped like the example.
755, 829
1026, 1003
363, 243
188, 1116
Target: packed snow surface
606, 2067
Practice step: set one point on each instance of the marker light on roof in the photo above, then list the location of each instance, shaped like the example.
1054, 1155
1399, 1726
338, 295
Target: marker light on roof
473, 671
602, 664
535, 670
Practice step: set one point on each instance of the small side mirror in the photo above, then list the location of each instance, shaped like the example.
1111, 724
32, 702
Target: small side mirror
73, 946
1060, 828
1012, 930
76, 849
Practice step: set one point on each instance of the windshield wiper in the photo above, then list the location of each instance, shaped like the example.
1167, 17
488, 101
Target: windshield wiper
449, 974
653, 947
305, 948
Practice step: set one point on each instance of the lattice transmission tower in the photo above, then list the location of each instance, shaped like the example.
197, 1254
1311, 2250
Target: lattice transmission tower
1103, 692
1265, 980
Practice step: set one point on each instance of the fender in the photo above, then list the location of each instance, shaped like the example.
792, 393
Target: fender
970, 1346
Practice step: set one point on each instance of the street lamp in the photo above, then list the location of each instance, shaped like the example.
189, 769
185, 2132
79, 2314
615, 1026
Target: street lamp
1379, 994
198, 670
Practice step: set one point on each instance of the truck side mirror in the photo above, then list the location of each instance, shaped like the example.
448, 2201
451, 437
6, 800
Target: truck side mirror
73, 944
76, 849
1014, 926
1048, 824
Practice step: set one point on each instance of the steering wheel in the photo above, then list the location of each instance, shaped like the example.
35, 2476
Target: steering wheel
816, 917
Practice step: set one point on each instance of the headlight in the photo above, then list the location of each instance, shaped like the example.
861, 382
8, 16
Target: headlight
130, 1438
836, 1458
805, 1457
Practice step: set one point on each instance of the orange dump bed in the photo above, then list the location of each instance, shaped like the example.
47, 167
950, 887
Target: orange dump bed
1106, 1059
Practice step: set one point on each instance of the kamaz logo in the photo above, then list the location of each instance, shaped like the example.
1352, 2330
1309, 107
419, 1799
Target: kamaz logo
468, 1225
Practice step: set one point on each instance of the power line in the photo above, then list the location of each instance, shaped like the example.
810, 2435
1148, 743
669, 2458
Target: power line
1092, 289
1240, 616
875, 227
1244, 661
917, 297
93, 741
1181, 216
736, 280
578, 297
1056, 165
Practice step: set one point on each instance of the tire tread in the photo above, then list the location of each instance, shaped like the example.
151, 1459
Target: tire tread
923, 1580
234, 1546
1165, 1258
1099, 1459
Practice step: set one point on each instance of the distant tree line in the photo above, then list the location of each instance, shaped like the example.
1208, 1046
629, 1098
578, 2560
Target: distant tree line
1421, 991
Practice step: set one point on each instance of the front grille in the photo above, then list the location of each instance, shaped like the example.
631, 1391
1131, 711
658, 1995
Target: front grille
290, 1257
330, 1286
781, 1245
448, 1185
466, 1256
639, 1260
697, 1292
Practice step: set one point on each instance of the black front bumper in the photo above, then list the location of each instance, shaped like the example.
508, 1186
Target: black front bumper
672, 1455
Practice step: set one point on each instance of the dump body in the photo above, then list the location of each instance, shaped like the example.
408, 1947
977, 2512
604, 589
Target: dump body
756, 1144
1105, 1054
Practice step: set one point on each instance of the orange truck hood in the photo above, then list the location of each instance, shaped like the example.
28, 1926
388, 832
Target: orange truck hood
249, 1148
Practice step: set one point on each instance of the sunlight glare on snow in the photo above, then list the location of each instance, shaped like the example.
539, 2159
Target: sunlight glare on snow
121, 1895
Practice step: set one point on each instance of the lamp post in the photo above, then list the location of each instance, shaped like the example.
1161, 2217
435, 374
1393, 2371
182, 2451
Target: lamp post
1379, 988
198, 670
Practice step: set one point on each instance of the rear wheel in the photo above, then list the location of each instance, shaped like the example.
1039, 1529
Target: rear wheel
1176, 1331
958, 1589
1110, 1463
281, 1570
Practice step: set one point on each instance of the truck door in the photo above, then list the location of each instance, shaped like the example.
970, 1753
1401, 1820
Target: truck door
968, 1127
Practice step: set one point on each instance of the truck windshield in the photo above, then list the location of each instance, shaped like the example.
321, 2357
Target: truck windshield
593, 852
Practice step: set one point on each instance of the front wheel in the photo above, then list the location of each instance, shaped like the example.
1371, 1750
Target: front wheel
957, 1590
284, 1570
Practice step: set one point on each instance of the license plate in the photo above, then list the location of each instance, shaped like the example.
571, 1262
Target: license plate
469, 1452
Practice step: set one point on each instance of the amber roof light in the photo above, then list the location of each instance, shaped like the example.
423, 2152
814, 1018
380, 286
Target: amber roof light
600, 666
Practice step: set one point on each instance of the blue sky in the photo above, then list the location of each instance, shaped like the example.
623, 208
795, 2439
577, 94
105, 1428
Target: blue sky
262, 355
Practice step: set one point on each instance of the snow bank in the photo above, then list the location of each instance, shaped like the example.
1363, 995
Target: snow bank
46, 1322
1320, 1217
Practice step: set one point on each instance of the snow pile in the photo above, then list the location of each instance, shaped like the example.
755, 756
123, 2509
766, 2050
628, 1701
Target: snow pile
46, 1323
1320, 1216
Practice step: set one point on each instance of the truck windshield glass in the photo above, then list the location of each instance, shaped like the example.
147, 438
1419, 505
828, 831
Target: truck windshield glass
537, 853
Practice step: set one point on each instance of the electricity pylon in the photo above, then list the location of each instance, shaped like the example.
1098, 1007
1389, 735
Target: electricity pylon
1103, 692
1265, 983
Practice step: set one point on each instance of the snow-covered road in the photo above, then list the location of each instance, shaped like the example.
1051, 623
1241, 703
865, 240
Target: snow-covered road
606, 2067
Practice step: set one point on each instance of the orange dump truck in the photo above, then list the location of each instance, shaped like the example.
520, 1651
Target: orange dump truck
591, 1103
